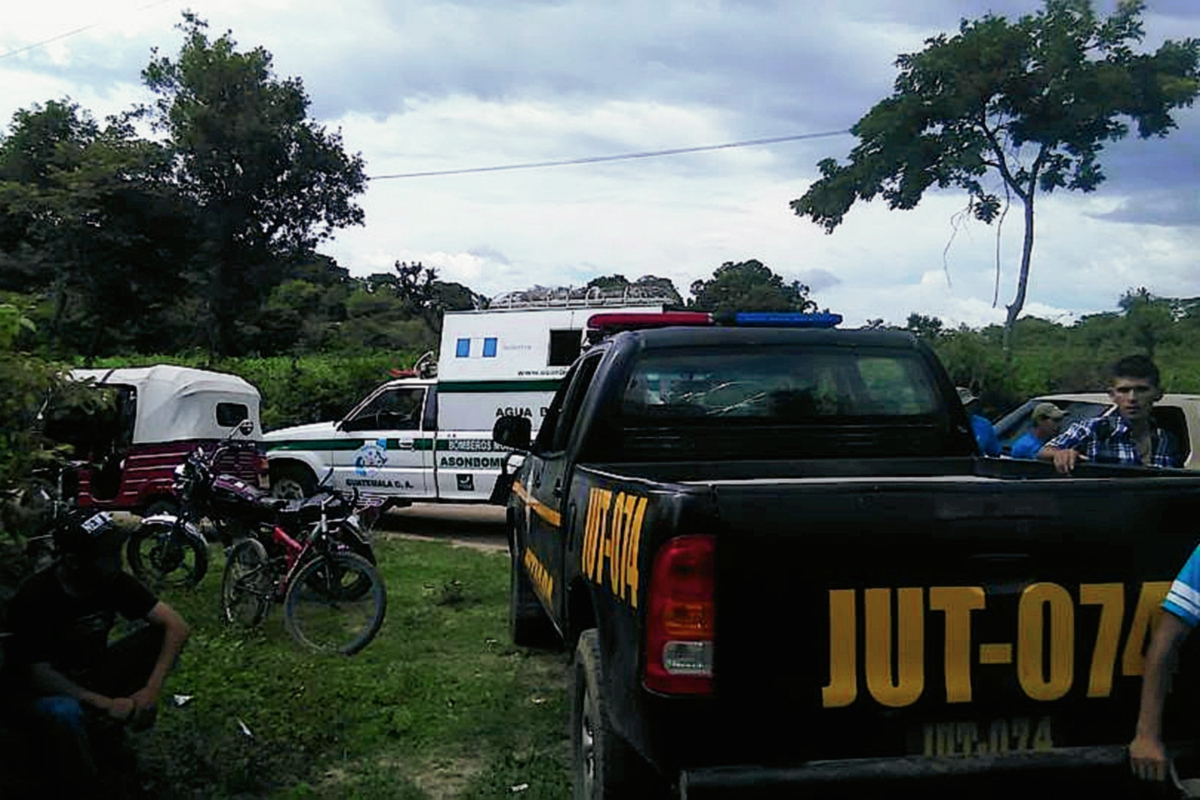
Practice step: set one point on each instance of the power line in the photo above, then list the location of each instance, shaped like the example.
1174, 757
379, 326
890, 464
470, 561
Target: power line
36, 45
621, 157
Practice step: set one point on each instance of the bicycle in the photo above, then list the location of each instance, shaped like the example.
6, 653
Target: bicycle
334, 600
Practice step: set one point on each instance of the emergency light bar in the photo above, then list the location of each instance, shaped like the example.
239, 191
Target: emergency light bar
600, 325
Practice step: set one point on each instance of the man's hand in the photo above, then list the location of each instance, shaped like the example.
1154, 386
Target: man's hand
1065, 460
1148, 759
145, 708
119, 708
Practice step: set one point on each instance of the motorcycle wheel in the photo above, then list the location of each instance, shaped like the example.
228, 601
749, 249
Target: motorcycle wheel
159, 555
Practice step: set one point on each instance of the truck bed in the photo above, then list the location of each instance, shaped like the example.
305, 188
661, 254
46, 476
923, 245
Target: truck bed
950, 607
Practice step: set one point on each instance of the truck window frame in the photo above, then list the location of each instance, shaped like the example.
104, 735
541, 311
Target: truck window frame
564, 408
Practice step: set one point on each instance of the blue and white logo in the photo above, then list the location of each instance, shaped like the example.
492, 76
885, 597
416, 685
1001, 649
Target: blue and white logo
371, 457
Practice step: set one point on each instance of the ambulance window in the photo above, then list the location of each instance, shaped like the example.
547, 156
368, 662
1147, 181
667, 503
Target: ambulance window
564, 347
230, 414
462, 348
489, 347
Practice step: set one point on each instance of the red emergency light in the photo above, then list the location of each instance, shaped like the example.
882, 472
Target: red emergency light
608, 324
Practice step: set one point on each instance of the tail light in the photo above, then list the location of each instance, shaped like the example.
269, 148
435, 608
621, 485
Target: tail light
681, 616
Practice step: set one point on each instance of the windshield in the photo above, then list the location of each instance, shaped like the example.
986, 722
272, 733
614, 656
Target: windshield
1014, 424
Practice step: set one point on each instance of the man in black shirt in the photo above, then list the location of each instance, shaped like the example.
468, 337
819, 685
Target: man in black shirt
72, 684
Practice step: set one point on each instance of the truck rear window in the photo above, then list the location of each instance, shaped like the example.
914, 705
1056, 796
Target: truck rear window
779, 403
779, 385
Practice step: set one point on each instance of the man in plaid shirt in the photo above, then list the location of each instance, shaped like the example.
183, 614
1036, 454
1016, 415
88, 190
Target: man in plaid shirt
1127, 437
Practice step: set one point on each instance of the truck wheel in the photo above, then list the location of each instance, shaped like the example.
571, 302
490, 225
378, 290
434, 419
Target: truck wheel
603, 765
528, 624
292, 482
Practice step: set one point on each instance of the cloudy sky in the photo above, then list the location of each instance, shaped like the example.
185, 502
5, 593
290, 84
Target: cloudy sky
425, 85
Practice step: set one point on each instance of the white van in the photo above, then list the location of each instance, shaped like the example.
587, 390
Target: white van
429, 439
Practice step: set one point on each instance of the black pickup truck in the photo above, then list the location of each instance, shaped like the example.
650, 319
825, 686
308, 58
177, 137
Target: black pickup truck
781, 564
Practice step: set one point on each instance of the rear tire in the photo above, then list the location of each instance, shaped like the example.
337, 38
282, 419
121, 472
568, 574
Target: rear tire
603, 765
321, 612
159, 555
292, 482
246, 587
528, 623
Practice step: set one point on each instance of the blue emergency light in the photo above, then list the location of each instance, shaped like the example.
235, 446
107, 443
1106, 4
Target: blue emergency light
779, 319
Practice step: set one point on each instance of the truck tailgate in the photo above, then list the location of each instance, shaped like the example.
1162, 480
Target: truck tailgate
966, 616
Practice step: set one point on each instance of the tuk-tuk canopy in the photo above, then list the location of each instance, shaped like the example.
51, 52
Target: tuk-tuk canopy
181, 403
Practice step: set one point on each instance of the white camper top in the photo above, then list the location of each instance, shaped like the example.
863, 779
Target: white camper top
519, 344
181, 403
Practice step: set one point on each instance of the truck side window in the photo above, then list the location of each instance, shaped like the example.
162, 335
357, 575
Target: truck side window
573, 401
392, 409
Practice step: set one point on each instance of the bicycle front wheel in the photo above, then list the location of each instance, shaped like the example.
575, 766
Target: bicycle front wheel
335, 603
247, 585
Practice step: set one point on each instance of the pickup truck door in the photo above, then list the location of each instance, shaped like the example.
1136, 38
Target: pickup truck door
392, 456
548, 518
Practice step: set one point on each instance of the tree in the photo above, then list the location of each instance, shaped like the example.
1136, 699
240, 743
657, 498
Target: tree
749, 286
1148, 319
928, 328
89, 218
645, 286
1033, 102
267, 183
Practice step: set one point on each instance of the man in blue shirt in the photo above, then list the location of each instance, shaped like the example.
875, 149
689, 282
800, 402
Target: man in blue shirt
1147, 755
1127, 437
985, 432
1047, 419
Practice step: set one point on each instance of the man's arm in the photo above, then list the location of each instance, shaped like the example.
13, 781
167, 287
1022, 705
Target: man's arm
175, 633
47, 680
1061, 450
1147, 754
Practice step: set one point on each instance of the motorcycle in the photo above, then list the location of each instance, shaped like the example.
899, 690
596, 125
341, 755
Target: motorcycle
171, 550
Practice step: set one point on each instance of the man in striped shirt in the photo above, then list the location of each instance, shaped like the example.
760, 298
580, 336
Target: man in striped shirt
1147, 755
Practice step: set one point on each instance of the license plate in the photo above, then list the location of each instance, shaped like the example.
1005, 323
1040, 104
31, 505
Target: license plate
969, 739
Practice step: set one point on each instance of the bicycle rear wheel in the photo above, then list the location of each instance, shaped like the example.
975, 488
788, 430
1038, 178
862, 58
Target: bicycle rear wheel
326, 608
246, 587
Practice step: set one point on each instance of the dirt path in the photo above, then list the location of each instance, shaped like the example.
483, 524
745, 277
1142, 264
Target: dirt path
476, 526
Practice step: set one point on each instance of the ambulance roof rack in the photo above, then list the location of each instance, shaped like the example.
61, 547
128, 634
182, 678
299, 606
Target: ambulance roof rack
581, 297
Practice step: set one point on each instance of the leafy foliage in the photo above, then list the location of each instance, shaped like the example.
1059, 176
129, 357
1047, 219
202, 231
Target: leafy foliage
267, 184
749, 286
1032, 101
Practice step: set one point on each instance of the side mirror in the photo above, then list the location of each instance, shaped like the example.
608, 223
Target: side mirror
246, 427
514, 433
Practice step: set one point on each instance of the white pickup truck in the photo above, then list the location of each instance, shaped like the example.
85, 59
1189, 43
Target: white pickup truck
1178, 413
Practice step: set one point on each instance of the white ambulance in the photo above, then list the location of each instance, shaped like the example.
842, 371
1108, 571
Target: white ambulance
429, 439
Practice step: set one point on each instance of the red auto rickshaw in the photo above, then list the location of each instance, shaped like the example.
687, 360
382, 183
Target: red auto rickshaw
152, 418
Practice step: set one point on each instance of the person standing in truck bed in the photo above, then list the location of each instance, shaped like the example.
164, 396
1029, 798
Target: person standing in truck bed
1127, 437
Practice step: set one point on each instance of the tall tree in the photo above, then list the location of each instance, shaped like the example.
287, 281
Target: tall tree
749, 286
268, 183
89, 218
1033, 101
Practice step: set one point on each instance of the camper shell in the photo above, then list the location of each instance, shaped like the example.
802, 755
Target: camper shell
127, 459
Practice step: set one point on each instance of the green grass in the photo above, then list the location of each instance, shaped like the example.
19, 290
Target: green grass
440, 705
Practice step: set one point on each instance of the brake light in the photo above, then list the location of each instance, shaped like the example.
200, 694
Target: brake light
681, 616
